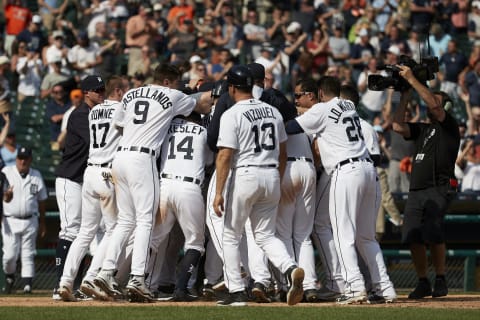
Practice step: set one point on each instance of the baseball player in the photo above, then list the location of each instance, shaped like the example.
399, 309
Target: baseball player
353, 188
251, 141
23, 201
373, 267
145, 117
297, 207
98, 194
184, 156
68, 184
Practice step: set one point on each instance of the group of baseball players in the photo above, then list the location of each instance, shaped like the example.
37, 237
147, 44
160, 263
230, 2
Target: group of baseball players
287, 176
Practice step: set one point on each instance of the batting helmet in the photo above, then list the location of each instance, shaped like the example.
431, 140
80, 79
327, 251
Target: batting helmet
240, 76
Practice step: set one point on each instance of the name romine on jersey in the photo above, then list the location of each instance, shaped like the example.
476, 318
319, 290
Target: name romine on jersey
149, 93
259, 113
343, 105
99, 114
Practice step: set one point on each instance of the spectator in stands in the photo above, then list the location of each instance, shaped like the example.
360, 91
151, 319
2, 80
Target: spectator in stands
474, 23
53, 78
17, 18
109, 49
393, 38
30, 70
415, 46
360, 54
98, 11
371, 102
472, 85
139, 32
181, 11
473, 114
5, 105
55, 109
318, 47
421, 14
182, 41
84, 56
233, 33
339, 47
255, 35
326, 11
293, 48
272, 64
305, 14
352, 11
220, 69
8, 150
452, 63
438, 40
33, 34
384, 10
277, 27
469, 162
57, 49
49, 10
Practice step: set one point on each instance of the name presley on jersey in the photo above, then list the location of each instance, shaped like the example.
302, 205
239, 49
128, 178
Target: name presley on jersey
182, 128
342, 106
100, 114
259, 113
149, 93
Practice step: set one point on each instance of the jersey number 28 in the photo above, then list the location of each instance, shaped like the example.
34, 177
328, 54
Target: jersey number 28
354, 130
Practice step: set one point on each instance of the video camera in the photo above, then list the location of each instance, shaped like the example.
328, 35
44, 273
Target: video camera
423, 71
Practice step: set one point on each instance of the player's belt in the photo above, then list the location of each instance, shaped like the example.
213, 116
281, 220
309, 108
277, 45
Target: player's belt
299, 159
103, 165
21, 218
181, 178
258, 166
350, 160
137, 149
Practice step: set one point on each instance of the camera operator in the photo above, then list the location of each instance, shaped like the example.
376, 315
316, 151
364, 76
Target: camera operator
436, 147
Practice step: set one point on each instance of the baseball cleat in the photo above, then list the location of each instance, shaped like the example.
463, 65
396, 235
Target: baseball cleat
90, 289
374, 298
66, 294
184, 296
295, 277
311, 295
27, 289
138, 291
440, 288
236, 299
352, 297
327, 295
56, 295
208, 292
422, 290
106, 281
9, 281
259, 293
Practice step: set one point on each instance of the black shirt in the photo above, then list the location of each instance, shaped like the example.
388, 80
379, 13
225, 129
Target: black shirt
77, 143
436, 147
271, 96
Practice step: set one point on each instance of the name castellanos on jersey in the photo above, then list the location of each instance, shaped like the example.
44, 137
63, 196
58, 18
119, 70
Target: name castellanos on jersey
342, 106
149, 93
100, 114
174, 128
259, 113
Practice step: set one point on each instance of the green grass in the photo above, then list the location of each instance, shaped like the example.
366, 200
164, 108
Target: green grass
232, 313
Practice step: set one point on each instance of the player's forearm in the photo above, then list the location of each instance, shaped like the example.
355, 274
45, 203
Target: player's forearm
282, 159
398, 123
223, 167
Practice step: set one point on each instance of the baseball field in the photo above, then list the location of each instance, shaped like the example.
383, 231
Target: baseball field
39, 307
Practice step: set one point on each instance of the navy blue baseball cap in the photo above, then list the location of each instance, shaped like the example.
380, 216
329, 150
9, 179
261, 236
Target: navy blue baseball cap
24, 153
92, 83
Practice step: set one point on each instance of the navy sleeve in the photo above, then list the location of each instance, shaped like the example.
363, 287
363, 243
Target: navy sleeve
277, 99
292, 127
223, 103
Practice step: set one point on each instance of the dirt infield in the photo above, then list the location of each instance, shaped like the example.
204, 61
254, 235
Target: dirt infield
453, 301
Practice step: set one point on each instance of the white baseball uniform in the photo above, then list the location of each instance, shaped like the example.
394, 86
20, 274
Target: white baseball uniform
20, 220
184, 156
254, 130
297, 206
98, 192
145, 117
353, 189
